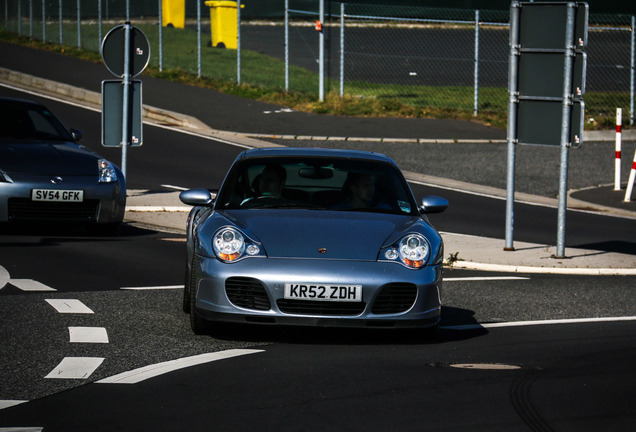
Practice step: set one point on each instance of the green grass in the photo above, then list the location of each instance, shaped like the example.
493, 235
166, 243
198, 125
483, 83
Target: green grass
262, 78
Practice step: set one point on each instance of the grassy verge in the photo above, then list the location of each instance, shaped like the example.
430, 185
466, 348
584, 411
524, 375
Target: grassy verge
262, 79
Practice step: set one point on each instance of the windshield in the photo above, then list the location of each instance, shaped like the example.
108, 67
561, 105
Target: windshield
23, 121
316, 183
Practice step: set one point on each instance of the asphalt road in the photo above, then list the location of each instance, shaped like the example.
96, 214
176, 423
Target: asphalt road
562, 375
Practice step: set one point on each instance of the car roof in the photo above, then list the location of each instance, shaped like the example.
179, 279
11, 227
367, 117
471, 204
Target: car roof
314, 152
17, 101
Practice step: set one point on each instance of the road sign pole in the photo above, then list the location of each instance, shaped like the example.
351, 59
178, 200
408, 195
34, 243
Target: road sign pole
565, 128
126, 99
512, 122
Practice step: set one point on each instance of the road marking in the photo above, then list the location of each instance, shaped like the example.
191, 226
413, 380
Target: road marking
87, 335
489, 278
69, 306
8, 404
30, 285
539, 322
141, 374
4, 277
166, 287
174, 187
22, 429
75, 368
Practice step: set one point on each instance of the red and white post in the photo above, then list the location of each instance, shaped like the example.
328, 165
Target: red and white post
617, 160
630, 182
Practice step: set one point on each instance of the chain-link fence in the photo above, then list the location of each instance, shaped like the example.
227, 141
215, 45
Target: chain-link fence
424, 57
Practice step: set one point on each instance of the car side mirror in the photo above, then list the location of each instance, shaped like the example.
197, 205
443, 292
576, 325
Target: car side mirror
197, 197
76, 134
433, 204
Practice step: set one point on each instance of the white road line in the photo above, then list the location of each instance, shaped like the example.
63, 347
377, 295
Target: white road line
22, 429
75, 368
151, 371
174, 187
30, 285
485, 278
4, 277
87, 335
69, 306
9, 403
166, 287
541, 322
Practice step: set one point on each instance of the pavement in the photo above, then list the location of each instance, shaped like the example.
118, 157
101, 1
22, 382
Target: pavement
163, 211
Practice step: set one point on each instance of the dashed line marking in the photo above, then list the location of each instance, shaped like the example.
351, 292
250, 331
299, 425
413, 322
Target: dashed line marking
8, 403
75, 368
88, 335
30, 285
148, 288
485, 278
72, 306
151, 371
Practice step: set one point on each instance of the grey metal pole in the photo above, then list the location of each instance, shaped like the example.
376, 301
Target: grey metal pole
631, 75
476, 82
30, 18
199, 39
342, 47
286, 45
43, 21
19, 17
565, 128
512, 123
61, 19
99, 21
125, 99
79, 25
238, 41
160, 35
321, 54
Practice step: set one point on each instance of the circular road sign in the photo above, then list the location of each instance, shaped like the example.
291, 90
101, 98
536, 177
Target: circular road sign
113, 48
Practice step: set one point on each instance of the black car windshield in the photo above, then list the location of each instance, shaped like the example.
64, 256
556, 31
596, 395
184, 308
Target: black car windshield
316, 183
26, 121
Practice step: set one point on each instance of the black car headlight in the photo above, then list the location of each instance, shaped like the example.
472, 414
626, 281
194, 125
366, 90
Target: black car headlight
107, 172
231, 245
412, 251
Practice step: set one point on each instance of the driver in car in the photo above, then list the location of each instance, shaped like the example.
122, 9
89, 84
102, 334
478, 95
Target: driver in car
272, 181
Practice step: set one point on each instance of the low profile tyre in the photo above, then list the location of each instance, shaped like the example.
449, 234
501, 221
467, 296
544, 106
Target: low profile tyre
199, 325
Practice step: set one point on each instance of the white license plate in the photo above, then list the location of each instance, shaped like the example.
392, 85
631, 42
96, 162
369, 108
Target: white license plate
323, 292
57, 195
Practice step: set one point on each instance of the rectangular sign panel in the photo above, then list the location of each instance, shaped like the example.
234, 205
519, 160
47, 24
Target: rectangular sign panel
112, 113
539, 122
541, 74
542, 25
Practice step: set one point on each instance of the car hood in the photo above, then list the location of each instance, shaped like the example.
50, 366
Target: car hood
320, 234
46, 158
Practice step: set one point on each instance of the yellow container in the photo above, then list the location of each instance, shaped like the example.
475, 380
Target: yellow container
173, 13
223, 16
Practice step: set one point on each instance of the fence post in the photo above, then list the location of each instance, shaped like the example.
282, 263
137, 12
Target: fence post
19, 17
286, 45
631, 75
476, 63
160, 35
617, 159
31, 18
60, 14
321, 54
79, 25
199, 39
43, 21
99, 22
342, 46
238, 42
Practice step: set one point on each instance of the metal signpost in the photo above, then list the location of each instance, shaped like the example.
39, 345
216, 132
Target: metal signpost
546, 85
126, 52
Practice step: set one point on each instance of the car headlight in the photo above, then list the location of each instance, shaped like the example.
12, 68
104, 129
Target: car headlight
231, 245
412, 251
107, 173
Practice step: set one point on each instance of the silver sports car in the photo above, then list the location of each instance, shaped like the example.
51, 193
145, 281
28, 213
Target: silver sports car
46, 176
313, 237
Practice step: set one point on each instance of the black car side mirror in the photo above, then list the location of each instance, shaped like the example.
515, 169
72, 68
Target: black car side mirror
76, 134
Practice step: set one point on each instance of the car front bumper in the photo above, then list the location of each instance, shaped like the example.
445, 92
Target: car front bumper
252, 290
